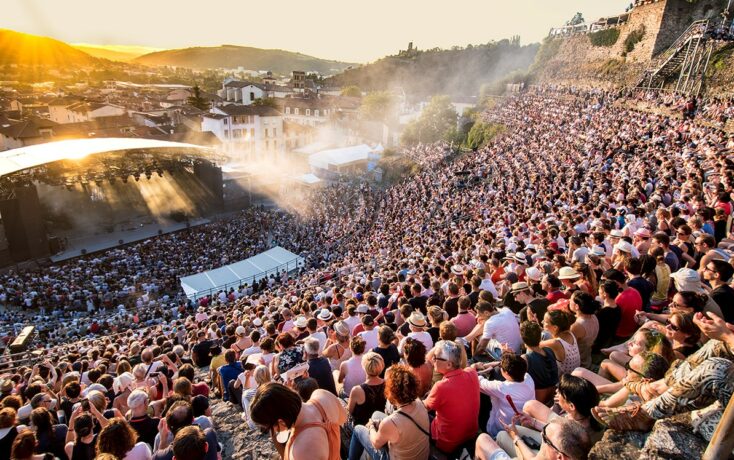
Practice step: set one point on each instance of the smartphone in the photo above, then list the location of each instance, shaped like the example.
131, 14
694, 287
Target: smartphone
530, 442
85, 404
61, 416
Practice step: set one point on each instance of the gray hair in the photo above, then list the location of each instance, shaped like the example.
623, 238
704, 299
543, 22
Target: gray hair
179, 350
312, 346
136, 399
451, 352
574, 439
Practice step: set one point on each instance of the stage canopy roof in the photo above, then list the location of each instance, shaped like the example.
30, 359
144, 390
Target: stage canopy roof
15, 160
245, 271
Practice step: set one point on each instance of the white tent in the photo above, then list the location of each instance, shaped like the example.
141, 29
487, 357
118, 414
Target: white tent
308, 179
245, 271
340, 157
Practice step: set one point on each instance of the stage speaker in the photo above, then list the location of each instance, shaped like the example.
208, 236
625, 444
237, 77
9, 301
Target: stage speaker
24, 227
211, 177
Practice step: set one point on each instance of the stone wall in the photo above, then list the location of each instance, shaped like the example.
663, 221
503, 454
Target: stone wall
579, 63
679, 14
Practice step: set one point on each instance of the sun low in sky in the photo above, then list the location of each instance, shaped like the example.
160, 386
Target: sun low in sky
345, 30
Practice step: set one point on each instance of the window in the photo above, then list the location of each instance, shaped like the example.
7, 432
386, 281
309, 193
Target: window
295, 111
266, 132
275, 132
308, 112
287, 110
226, 121
267, 145
316, 113
252, 96
252, 133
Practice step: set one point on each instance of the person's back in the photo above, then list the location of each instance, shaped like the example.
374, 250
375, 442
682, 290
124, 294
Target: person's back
320, 370
455, 398
316, 434
413, 443
374, 400
355, 373
543, 368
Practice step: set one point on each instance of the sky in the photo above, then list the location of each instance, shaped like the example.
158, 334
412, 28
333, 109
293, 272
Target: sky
345, 30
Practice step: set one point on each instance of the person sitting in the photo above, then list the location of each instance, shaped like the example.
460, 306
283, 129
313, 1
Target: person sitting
261, 375
414, 355
24, 446
560, 439
318, 366
368, 397
386, 348
563, 342
279, 410
517, 385
455, 397
402, 435
350, 371
190, 444
542, 365
142, 423
228, 374
120, 439
179, 416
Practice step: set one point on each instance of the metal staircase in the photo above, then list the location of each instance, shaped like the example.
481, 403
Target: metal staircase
684, 63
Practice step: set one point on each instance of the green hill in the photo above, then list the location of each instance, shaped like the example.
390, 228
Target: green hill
457, 71
230, 56
26, 49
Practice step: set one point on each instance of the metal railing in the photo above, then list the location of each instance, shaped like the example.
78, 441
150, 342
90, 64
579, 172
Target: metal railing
288, 267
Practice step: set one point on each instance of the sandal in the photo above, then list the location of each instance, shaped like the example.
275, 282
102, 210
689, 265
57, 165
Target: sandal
625, 418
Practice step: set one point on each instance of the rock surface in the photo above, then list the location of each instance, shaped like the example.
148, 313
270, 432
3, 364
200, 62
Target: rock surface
238, 441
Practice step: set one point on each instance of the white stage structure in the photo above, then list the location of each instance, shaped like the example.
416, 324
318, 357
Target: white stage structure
248, 271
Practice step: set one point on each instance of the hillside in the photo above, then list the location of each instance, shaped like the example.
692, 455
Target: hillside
230, 56
113, 53
26, 49
458, 71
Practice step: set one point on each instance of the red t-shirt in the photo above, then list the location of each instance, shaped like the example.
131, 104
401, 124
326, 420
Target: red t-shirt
455, 398
555, 296
629, 302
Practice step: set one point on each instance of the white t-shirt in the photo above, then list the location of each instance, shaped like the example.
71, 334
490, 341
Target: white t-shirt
504, 328
370, 338
352, 321
421, 336
321, 337
521, 392
140, 451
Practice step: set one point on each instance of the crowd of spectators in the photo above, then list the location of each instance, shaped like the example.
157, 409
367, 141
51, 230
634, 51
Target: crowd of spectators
575, 277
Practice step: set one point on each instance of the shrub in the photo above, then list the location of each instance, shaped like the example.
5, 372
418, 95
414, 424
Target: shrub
633, 39
606, 37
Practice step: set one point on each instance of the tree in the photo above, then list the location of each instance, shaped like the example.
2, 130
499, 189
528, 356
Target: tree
436, 122
351, 91
577, 19
197, 100
378, 106
265, 102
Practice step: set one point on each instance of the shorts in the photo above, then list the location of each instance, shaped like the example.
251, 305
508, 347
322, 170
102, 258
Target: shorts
499, 454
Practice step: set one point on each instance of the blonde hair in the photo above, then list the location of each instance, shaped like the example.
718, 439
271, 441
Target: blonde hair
372, 363
262, 375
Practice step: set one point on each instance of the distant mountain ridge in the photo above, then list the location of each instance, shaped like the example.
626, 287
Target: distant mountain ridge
108, 52
27, 49
232, 56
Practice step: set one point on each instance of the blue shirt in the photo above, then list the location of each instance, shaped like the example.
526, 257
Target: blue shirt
228, 373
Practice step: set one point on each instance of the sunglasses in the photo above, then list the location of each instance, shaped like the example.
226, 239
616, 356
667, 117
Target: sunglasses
672, 326
544, 437
627, 367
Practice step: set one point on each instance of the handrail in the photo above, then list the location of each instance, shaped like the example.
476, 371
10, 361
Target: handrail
264, 274
692, 30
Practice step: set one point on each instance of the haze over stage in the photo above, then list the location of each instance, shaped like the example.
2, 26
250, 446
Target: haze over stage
247, 271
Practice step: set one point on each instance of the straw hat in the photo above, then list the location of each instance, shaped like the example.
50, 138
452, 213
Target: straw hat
518, 287
300, 322
568, 273
416, 319
325, 314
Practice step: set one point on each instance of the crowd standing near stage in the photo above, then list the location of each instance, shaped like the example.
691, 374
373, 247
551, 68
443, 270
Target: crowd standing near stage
571, 278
